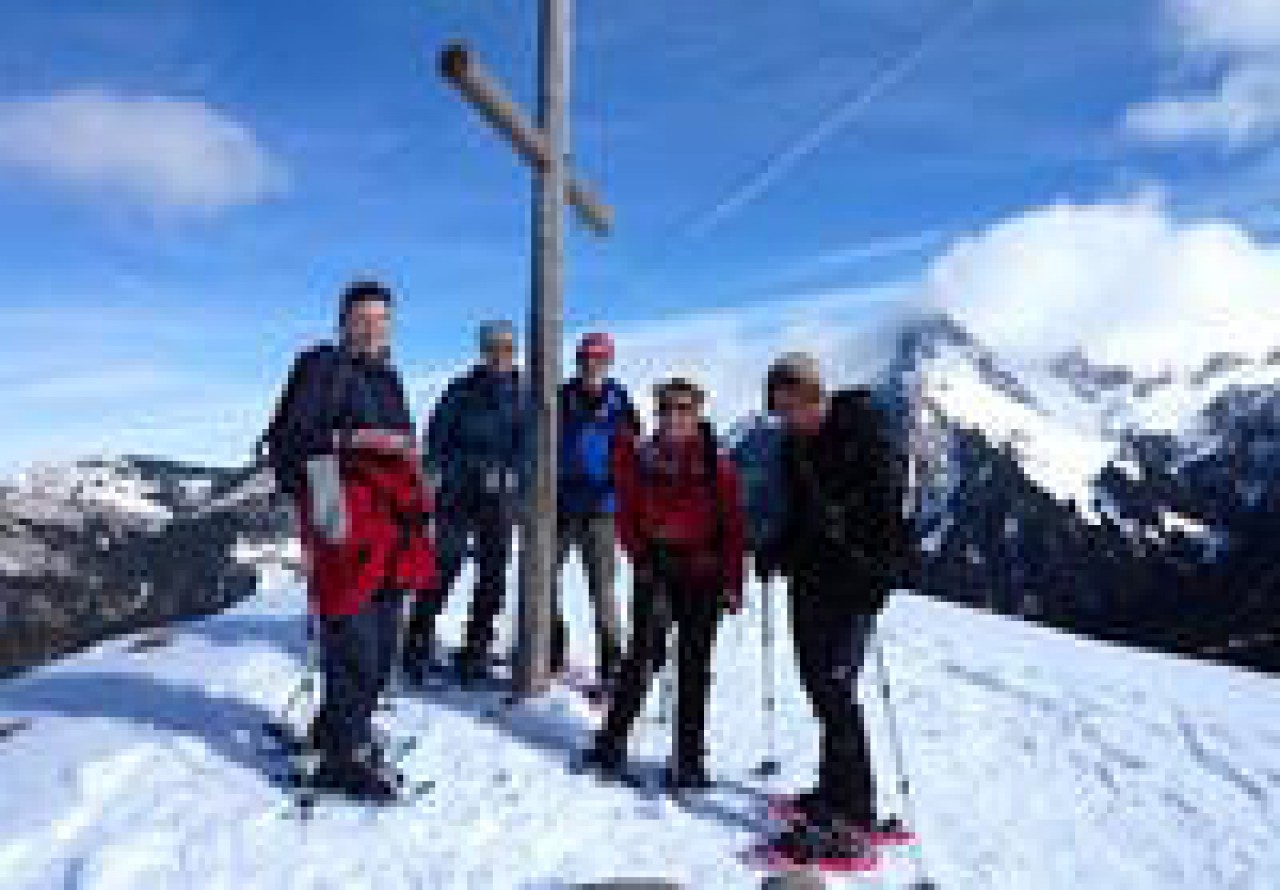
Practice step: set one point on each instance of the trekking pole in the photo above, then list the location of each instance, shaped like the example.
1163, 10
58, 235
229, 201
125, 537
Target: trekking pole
663, 609
771, 765
305, 686
923, 881
666, 682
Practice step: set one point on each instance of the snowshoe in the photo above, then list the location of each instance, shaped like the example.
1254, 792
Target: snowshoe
890, 832
810, 847
810, 807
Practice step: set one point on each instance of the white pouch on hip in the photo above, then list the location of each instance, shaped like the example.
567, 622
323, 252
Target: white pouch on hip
324, 487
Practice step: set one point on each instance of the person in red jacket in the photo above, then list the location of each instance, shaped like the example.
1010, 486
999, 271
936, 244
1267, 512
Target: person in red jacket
342, 447
680, 524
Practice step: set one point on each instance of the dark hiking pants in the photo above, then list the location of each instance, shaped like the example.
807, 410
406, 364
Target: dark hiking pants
484, 527
357, 655
830, 644
694, 613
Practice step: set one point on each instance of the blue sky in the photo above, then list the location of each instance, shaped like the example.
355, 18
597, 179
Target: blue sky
155, 308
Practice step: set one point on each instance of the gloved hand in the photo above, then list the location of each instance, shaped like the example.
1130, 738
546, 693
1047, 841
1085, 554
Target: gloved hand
732, 601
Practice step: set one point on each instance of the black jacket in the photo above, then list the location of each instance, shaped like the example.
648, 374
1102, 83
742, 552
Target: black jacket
845, 532
332, 389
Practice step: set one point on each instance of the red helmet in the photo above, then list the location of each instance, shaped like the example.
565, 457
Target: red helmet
597, 345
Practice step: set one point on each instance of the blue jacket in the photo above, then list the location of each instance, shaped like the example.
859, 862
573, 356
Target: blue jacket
589, 423
331, 389
479, 437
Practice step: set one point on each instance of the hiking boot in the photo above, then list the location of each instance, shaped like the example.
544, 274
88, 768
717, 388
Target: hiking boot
366, 782
471, 667
686, 777
813, 845
605, 757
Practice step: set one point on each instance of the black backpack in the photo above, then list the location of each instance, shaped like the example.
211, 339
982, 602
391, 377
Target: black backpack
273, 448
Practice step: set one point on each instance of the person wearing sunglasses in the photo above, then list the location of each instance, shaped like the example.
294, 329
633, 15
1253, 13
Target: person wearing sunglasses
680, 524
477, 453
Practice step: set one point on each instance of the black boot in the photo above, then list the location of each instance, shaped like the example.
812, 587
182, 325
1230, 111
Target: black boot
364, 781
472, 666
605, 757
354, 777
691, 776
816, 844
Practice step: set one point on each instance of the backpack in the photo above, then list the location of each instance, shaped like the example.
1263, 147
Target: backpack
272, 449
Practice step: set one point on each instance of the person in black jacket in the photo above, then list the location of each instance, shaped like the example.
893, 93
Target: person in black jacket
844, 543
477, 454
342, 434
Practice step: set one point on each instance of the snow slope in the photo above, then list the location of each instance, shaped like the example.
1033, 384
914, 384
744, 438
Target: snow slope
1043, 762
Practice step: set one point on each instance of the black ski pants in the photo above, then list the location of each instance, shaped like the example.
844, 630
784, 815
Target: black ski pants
480, 526
658, 607
357, 654
831, 642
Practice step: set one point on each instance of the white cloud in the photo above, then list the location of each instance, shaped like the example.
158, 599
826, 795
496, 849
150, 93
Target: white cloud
1125, 282
1240, 41
1227, 25
169, 155
1244, 109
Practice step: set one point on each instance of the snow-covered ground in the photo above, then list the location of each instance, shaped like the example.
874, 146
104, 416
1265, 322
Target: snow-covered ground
1042, 762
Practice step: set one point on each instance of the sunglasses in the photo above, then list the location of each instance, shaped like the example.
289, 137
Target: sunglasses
666, 408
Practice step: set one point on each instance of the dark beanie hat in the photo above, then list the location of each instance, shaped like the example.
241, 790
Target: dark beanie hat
361, 292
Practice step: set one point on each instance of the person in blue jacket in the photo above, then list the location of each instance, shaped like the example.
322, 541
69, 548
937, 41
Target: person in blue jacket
594, 410
477, 459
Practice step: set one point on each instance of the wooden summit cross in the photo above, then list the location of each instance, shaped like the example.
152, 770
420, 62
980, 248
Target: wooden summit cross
544, 146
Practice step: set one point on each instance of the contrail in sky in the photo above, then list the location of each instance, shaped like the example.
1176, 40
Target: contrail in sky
777, 166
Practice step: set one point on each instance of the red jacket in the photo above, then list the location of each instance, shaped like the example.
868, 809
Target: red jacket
664, 494
386, 543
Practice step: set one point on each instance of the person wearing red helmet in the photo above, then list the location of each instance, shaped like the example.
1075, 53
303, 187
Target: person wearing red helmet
594, 410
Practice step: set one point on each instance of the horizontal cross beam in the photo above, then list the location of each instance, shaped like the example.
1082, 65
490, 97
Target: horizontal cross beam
460, 68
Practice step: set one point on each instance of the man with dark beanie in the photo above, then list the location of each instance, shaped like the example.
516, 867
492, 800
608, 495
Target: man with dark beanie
342, 446
832, 489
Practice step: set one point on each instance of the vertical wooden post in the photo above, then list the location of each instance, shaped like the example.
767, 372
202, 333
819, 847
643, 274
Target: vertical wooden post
546, 323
